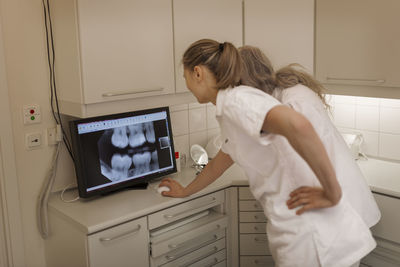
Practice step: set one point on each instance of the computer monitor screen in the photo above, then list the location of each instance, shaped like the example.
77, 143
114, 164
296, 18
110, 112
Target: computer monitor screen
122, 150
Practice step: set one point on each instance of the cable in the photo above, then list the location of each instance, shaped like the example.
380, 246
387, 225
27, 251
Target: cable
42, 216
62, 194
51, 62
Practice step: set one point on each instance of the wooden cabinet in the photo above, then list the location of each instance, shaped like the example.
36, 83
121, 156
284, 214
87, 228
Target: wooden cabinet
386, 234
195, 233
124, 245
283, 29
358, 46
220, 20
112, 50
253, 241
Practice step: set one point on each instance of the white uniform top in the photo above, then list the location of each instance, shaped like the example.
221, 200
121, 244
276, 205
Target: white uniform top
349, 175
335, 236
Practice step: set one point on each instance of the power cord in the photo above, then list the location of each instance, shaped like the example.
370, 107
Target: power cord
63, 191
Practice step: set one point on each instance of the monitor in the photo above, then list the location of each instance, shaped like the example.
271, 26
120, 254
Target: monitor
124, 150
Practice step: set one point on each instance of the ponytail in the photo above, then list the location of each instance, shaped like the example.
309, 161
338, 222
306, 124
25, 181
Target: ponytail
294, 74
222, 59
259, 73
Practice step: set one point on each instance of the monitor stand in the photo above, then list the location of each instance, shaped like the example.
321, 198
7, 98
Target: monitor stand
141, 186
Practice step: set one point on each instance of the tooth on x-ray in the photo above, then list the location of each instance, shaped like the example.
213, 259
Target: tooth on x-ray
120, 165
150, 135
136, 135
141, 162
119, 137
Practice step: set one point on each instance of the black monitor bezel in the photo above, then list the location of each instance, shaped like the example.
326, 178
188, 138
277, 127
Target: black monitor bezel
79, 161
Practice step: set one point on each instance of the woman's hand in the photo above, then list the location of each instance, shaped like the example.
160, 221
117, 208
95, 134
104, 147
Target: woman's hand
176, 189
310, 198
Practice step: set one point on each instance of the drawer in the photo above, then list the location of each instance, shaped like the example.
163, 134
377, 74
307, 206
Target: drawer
245, 193
189, 236
118, 243
206, 256
254, 244
220, 264
208, 238
180, 211
388, 226
252, 216
250, 205
252, 228
256, 261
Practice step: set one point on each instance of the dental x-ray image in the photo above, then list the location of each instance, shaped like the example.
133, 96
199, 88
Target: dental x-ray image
128, 151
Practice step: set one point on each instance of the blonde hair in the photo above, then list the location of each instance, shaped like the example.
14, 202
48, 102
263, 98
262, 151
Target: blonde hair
222, 59
259, 73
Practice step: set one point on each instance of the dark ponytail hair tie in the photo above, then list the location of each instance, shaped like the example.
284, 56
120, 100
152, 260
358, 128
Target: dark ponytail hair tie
221, 47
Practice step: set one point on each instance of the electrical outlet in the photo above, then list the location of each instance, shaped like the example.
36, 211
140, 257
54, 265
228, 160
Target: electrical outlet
51, 136
33, 140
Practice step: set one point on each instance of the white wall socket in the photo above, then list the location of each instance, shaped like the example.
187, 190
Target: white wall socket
33, 140
51, 136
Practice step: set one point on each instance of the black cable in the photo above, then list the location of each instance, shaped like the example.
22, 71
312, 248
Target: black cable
51, 62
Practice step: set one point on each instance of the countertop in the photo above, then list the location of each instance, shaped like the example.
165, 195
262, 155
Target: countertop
96, 214
382, 176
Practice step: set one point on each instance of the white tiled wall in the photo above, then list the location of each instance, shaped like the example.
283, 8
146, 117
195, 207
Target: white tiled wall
378, 119
193, 124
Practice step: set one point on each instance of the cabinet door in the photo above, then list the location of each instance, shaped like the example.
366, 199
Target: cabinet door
283, 29
357, 42
126, 48
123, 245
220, 20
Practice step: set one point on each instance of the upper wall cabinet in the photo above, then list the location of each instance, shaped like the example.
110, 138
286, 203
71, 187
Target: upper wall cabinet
283, 29
358, 46
220, 20
112, 50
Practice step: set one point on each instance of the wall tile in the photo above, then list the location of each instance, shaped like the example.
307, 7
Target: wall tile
178, 107
390, 120
344, 99
211, 120
367, 101
390, 103
371, 143
180, 122
199, 138
212, 132
196, 105
389, 146
344, 115
197, 119
367, 118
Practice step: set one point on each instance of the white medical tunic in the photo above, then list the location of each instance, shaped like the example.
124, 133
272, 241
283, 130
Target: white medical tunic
335, 236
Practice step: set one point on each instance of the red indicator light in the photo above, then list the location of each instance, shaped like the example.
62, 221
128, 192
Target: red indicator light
32, 111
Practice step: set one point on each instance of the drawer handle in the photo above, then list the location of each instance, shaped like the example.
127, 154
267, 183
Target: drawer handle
214, 238
215, 261
256, 228
107, 239
256, 206
133, 92
215, 249
170, 216
355, 80
261, 239
258, 262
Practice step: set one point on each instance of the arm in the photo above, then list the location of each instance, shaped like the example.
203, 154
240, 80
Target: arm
303, 138
213, 170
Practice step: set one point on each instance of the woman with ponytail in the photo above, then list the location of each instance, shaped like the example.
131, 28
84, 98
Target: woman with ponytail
322, 230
